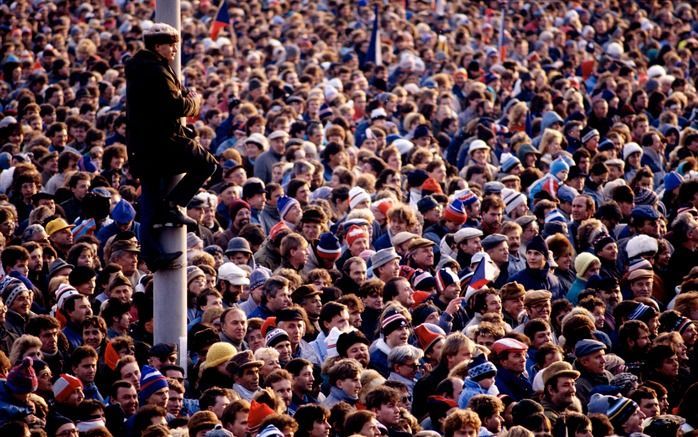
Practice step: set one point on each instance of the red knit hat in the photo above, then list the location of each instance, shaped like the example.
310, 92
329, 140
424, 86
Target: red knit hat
22, 378
354, 233
258, 412
65, 386
268, 324
383, 205
455, 212
428, 334
420, 297
431, 185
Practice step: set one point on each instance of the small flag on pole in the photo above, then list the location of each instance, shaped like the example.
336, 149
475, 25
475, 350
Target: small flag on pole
374, 54
485, 272
221, 21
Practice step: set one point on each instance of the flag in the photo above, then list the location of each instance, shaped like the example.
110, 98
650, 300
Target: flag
221, 21
374, 54
484, 273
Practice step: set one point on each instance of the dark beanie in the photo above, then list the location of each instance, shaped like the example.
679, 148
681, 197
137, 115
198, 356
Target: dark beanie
538, 244
348, 339
81, 275
22, 378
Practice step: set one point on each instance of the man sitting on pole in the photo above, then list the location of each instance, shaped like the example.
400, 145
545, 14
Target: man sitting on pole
159, 146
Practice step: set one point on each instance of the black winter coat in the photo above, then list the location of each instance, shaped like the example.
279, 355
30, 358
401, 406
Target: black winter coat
155, 104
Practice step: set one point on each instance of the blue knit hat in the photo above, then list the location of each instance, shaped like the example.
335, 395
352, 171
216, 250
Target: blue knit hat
445, 277
284, 205
259, 276
672, 180
479, 368
557, 166
151, 381
617, 408
328, 246
508, 162
123, 212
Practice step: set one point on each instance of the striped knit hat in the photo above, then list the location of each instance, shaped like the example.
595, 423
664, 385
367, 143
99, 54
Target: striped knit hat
328, 246
151, 381
65, 386
284, 205
444, 278
12, 288
393, 322
356, 196
455, 212
617, 408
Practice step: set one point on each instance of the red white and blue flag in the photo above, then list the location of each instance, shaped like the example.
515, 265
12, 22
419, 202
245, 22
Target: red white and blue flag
221, 21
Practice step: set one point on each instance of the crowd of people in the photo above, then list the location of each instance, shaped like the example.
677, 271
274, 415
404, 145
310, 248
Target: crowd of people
484, 224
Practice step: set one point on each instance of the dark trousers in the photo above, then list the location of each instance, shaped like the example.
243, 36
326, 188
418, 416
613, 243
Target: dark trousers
157, 191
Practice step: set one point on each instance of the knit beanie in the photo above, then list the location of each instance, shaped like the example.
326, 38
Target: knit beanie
645, 196
219, 353
431, 185
54, 422
194, 272
617, 408
423, 280
455, 212
672, 180
354, 233
508, 161
602, 241
65, 386
81, 275
13, 288
284, 205
151, 381
276, 336
583, 261
538, 244
123, 212
348, 339
356, 196
393, 322
426, 204
428, 334
479, 368
236, 206
554, 215
259, 276
258, 411
22, 378
672, 321
445, 277
512, 199
557, 166
328, 247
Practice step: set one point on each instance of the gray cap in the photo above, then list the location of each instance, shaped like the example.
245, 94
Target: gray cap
493, 187
238, 244
493, 240
465, 233
383, 257
525, 220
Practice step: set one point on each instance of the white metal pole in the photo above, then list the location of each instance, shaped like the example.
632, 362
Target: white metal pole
170, 284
